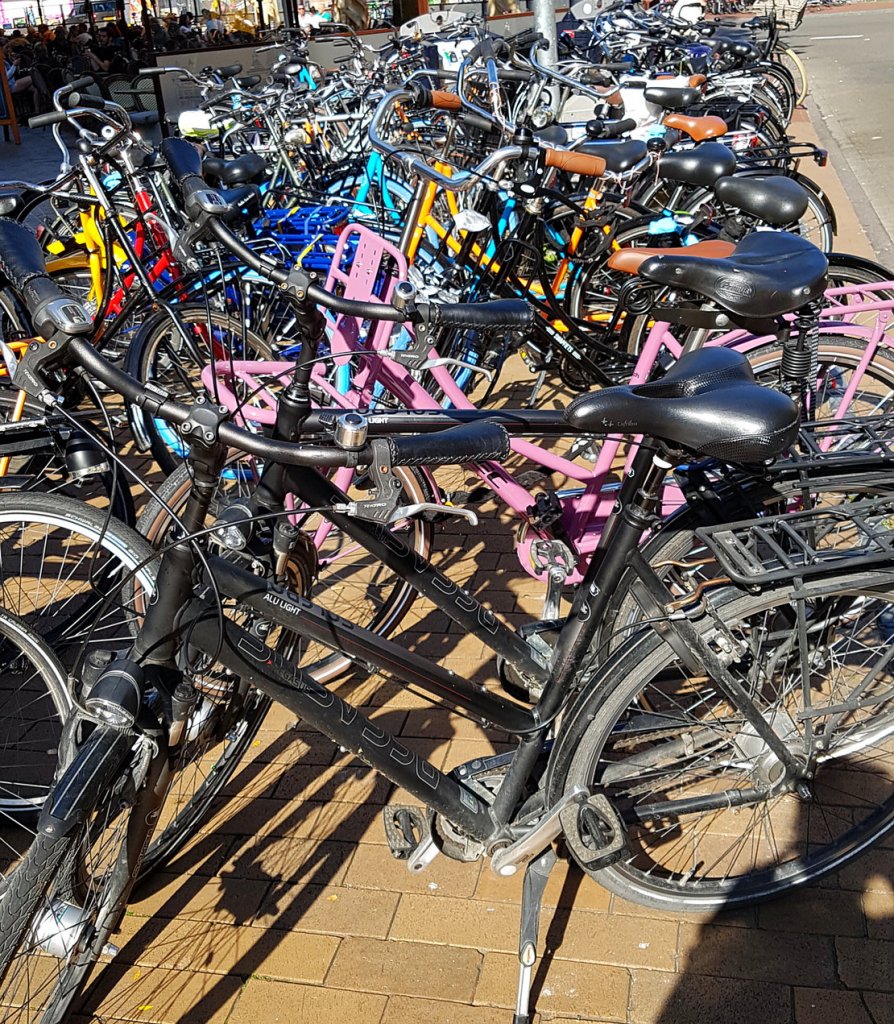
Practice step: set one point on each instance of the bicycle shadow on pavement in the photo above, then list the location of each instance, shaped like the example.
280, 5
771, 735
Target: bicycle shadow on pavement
262, 890
821, 954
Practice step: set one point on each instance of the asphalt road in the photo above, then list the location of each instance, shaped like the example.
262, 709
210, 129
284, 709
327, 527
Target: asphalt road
851, 102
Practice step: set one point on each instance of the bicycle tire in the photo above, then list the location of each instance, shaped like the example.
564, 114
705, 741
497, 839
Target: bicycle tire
789, 59
158, 355
56, 900
660, 866
35, 702
221, 730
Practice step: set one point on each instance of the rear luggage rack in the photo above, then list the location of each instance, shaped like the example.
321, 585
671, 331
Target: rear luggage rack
802, 545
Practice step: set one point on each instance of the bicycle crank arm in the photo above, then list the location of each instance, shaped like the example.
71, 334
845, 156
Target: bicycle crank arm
507, 861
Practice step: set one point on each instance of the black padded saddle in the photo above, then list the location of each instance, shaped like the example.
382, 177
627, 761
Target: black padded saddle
708, 403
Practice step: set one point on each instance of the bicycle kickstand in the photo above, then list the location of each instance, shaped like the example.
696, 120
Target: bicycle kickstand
536, 876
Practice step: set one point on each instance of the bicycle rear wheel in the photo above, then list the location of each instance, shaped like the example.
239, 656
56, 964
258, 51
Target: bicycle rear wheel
683, 769
790, 60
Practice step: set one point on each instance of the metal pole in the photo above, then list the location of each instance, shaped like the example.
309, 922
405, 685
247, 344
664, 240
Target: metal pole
545, 23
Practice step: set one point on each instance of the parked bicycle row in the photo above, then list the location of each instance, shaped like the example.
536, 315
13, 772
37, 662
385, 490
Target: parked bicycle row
309, 316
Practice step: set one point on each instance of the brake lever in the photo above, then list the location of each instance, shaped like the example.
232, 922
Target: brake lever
428, 364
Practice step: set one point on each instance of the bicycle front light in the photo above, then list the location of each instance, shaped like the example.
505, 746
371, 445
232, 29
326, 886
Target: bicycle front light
115, 697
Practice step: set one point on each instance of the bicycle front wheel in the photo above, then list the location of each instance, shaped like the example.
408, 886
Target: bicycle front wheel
706, 829
60, 902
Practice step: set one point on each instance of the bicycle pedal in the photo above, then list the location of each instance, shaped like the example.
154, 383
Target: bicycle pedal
406, 829
594, 832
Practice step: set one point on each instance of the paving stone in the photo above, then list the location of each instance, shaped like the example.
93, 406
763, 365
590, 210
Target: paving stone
349, 823
871, 871
277, 1003
866, 963
231, 900
473, 923
825, 1006
243, 817
624, 941
401, 1010
567, 887
434, 722
349, 785
586, 990
202, 855
692, 999
328, 910
373, 867
790, 958
225, 949
878, 908
291, 746
814, 910
406, 968
162, 996
881, 1006
290, 859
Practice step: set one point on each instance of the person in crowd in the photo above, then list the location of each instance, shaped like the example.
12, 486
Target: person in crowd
16, 40
102, 55
308, 19
214, 30
18, 81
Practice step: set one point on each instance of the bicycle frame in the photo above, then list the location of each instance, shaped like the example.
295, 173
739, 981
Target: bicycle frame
585, 513
250, 658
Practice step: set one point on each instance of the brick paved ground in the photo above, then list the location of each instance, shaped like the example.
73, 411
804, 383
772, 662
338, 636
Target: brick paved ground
288, 907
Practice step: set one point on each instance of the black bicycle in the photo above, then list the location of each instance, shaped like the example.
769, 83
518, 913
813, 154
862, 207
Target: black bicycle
718, 754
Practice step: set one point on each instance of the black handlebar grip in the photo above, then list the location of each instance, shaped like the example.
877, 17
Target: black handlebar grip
43, 120
601, 129
54, 312
471, 120
79, 99
470, 442
527, 38
77, 85
512, 313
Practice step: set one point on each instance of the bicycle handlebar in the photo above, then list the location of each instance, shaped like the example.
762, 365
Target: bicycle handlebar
463, 180
475, 442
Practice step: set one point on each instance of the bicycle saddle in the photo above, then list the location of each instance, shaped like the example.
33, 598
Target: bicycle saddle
774, 199
554, 134
243, 201
700, 166
671, 97
697, 128
737, 47
769, 272
708, 403
618, 156
250, 168
248, 82
229, 71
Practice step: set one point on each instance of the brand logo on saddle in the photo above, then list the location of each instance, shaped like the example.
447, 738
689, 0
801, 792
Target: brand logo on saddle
734, 290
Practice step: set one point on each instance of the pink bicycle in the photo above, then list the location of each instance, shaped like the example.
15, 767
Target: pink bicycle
559, 527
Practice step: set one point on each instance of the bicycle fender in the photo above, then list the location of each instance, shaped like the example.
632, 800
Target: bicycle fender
97, 762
